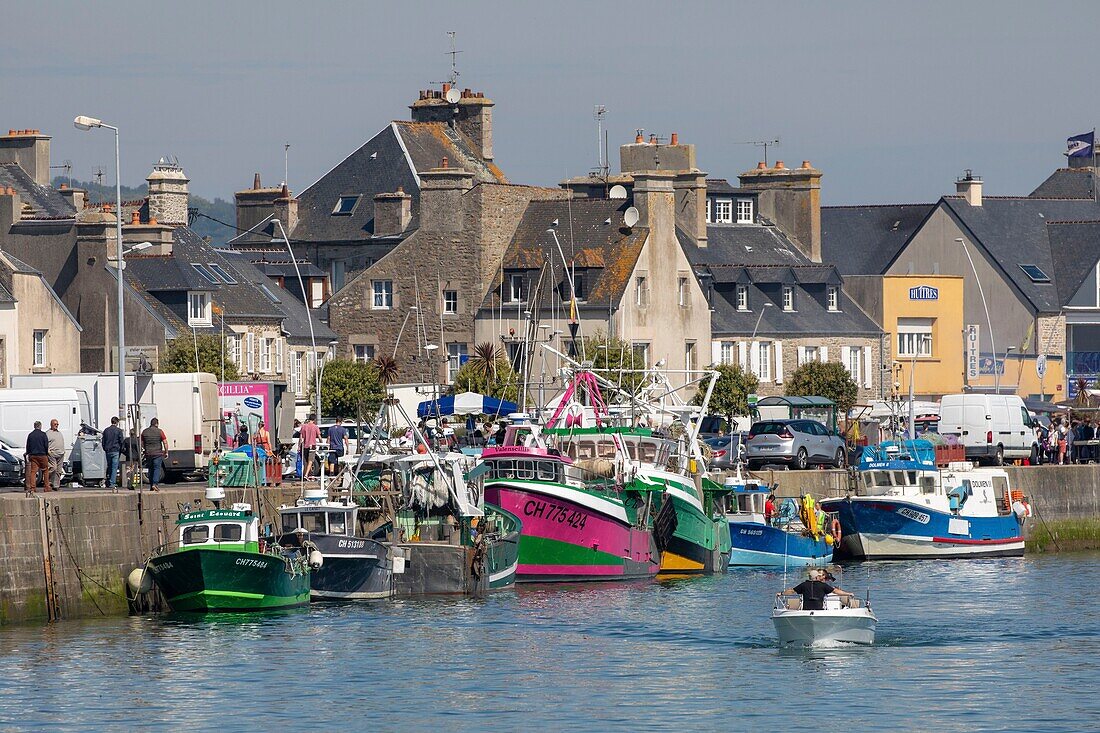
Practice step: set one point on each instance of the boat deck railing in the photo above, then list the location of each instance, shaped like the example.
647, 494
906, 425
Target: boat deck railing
833, 602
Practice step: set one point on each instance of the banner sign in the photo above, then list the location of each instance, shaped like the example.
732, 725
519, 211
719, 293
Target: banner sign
973, 364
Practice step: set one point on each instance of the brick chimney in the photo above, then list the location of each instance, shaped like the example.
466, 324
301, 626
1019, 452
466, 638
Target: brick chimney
168, 196
256, 204
392, 213
791, 198
472, 115
30, 149
441, 192
969, 186
286, 209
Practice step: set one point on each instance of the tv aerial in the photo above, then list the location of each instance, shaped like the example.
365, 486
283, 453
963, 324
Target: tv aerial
761, 143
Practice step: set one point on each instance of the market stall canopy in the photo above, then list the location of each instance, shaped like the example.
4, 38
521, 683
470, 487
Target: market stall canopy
467, 403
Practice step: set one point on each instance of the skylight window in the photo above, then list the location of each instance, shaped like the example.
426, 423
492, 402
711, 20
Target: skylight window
269, 293
345, 205
221, 273
1036, 274
201, 269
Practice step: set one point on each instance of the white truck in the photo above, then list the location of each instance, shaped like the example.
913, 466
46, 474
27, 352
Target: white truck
20, 408
992, 428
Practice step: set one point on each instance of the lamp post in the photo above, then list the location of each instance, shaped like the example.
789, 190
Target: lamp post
985, 306
309, 318
83, 122
752, 339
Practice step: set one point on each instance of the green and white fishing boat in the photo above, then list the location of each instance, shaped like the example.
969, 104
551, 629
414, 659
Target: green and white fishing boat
219, 562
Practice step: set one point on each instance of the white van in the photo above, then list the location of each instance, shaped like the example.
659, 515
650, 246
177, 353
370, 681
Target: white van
992, 428
20, 408
186, 406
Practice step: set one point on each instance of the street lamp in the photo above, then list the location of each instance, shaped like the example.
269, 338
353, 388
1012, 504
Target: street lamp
87, 123
309, 317
767, 304
985, 306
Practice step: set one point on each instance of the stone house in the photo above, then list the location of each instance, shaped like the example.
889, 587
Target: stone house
38, 334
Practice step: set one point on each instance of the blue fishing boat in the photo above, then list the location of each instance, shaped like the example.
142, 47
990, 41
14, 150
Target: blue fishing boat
905, 506
782, 540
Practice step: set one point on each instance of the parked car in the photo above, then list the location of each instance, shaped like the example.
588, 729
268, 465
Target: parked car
797, 443
11, 469
727, 450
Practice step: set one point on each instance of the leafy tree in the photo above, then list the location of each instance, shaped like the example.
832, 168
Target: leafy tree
731, 392
488, 372
829, 379
613, 359
349, 389
213, 355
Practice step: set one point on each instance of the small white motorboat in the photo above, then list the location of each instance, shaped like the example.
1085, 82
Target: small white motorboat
844, 620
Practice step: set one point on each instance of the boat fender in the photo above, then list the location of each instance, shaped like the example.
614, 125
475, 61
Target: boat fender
316, 559
139, 581
834, 530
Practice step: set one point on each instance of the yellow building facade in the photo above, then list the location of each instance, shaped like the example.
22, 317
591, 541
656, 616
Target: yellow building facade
922, 316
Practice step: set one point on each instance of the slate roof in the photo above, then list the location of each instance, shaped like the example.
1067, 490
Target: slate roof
720, 186
607, 252
45, 201
296, 316
1071, 183
1075, 250
1013, 231
864, 240
743, 244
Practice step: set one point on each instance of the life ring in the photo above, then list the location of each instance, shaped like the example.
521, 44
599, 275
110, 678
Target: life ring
834, 530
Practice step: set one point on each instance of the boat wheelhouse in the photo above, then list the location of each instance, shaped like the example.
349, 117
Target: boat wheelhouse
779, 541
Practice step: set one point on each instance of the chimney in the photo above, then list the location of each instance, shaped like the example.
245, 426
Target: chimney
691, 205
392, 213
652, 156
30, 149
75, 197
791, 198
655, 199
472, 115
970, 188
168, 196
11, 209
256, 204
441, 192
286, 209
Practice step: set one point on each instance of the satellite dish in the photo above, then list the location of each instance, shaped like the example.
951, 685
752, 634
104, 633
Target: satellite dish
631, 216
453, 95
617, 192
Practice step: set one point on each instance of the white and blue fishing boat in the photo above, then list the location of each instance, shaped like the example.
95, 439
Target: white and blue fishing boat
784, 541
905, 506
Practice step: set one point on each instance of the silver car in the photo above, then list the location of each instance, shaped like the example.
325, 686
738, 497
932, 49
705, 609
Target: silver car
796, 443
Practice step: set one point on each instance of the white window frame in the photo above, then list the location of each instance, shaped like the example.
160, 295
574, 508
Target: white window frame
682, 291
788, 298
642, 348
742, 297
641, 291
832, 298
235, 349
808, 354
41, 354
709, 221
723, 211
381, 294
455, 351
744, 211
764, 361
691, 357
297, 373
280, 356
450, 304
515, 288
727, 353
363, 353
265, 354
250, 352
200, 315
855, 364
914, 338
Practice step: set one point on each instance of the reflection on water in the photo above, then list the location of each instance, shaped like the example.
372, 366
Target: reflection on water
958, 643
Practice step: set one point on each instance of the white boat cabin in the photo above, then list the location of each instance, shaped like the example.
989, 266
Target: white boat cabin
214, 527
320, 517
959, 489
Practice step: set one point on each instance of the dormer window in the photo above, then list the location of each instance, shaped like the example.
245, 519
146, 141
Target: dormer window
832, 298
723, 211
345, 205
742, 297
515, 288
744, 211
788, 298
198, 309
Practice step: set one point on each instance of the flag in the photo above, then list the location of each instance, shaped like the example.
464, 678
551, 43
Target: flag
1080, 146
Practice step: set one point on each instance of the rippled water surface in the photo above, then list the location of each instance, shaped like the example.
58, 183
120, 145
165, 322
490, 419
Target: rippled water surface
963, 645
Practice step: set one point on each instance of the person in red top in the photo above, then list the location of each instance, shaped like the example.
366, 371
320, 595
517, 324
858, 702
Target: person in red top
769, 508
308, 435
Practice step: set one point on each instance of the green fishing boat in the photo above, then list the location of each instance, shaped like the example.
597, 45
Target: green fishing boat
691, 535
220, 563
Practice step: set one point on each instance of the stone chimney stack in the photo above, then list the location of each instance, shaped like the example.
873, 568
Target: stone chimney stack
689, 183
441, 192
75, 196
392, 213
286, 209
655, 199
791, 198
256, 204
30, 149
472, 115
168, 195
969, 187
11, 208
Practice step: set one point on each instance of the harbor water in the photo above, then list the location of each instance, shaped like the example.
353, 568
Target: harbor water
1008, 644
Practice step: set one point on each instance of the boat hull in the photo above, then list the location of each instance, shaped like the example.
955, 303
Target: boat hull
884, 528
690, 542
760, 545
354, 569
502, 557
822, 628
569, 535
203, 580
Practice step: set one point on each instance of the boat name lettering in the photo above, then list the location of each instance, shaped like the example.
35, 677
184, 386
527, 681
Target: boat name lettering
352, 544
753, 532
555, 513
249, 562
914, 515
162, 567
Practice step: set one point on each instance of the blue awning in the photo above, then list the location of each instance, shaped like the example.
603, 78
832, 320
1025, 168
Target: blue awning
467, 403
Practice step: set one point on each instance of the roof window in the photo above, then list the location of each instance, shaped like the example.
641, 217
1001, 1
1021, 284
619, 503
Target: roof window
221, 273
1035, 273
269, 293
207, 275
345, 205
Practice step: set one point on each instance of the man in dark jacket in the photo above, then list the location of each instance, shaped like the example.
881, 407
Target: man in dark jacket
38, 451
112, 446
154, 446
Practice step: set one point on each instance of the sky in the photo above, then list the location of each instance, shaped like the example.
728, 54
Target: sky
891, 100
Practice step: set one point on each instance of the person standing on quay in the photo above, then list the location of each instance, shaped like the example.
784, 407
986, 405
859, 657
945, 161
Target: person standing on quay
38, 451
112, 446
337, 442
154, 444
57, 454
308, 436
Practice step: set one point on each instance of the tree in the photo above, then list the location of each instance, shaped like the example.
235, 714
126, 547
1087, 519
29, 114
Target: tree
487, 372
731, 392
830, 380
214, 354
349, 389
386, 368
615, 360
